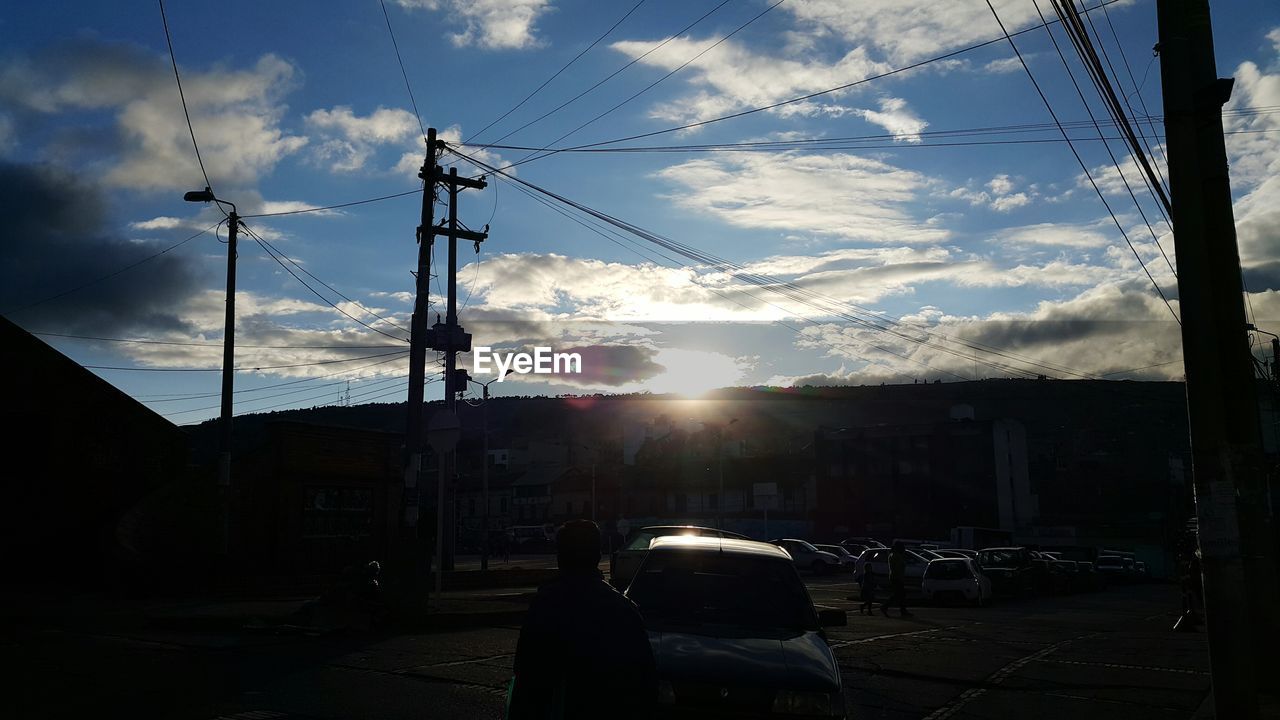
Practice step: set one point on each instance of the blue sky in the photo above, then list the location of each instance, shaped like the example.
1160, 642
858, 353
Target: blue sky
1001, 247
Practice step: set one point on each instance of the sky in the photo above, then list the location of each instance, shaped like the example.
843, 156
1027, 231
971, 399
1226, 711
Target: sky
928, 224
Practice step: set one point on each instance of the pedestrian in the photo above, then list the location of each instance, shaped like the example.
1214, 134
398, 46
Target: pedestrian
867, 590
897, 580
583, 651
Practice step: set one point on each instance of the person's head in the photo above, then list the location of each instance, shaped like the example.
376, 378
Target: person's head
578, 545
898, 546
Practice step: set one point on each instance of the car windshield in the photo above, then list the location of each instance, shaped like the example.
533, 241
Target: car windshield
705, 588
998, 558
947, 570
640, 541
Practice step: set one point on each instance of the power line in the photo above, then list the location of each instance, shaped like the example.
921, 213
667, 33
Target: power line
191, 396
609, 77
300, 211
802, 98
653, 84
110, 275
404, 74
382, 381
556, 74
1080, 93
178, 78
1083, 167
788, 289
271, 250
144, 341
239, 369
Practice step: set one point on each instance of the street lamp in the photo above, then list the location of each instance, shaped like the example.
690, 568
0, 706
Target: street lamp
228, 337
484, 472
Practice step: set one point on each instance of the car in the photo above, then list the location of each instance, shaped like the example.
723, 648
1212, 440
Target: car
1090, 580
1013, 570
955, 579
949, 553
807, 557
1111, 568
846, 558
878, 559
856, 545
734, 632
1140, 568
624, 562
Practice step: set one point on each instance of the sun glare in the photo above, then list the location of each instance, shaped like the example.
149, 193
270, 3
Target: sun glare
694, 372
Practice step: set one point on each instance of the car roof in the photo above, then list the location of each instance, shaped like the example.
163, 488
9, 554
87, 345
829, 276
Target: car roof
666, 528
698, 543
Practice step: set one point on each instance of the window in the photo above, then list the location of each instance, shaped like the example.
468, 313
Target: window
337, 512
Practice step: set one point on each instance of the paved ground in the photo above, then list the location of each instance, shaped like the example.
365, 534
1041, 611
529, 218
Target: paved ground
1098, 656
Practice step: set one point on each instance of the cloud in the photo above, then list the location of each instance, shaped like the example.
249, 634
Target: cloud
1062, 235
895, 117
835, 196
348, 140
490, 24
999, 194
236, 112
57, 239
732, 77
1004, 65
905, 31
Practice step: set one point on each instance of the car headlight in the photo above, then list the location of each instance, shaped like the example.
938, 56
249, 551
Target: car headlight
666, 693
789, 702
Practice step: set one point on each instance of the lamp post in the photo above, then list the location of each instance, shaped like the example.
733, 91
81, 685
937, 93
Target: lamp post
228, 351
484, 473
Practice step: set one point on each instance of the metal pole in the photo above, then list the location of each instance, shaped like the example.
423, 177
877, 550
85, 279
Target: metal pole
439, 570
228, 383
450, 371
594, 504
484, 481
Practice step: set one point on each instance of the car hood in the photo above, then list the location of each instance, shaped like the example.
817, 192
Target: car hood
795, 661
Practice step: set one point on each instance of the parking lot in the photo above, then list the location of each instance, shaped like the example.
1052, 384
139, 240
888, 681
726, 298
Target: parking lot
1101, 655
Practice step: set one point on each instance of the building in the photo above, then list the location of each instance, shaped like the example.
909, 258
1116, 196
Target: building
89, 472
921, 480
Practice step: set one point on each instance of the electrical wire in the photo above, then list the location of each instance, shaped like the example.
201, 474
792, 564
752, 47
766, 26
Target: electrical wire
382, 381
787, 289
178, 78
655, 83
301, 211
801, 98
404, 74
144, 341
1114, 162
1083, 167
557, 73
614, 74
239, 369
187, 396
271, 250
112, 274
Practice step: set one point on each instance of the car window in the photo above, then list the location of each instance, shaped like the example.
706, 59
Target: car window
947, 570
804, 546
998, 558
640, 541
722, 589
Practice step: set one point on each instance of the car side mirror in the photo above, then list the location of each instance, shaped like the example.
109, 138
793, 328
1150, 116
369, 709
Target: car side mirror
833, 618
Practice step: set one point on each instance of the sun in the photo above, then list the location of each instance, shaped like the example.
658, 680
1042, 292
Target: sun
693, 372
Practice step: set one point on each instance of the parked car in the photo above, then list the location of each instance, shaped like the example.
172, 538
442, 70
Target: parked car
955, 579
949, 553
856, 545
807, 557
625, 561
846, 558
1111, 568
1141, 569
734, 632
1090, 580
1013, 571
878, 558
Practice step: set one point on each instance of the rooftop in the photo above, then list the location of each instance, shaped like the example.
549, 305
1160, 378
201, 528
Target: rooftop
697, 543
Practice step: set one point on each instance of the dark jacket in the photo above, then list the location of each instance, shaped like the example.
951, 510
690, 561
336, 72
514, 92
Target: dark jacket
583, 653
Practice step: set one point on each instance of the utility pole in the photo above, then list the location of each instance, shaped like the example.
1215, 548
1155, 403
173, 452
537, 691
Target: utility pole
1234, 537
228, 366
452, 339
419, 339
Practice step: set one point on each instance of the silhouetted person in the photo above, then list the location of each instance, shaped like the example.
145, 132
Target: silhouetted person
867, 590
583, 650
897, 580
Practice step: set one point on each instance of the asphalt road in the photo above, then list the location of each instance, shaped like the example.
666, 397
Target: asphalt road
1097, 656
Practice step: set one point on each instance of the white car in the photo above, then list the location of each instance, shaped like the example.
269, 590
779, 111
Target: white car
955, 579
879, 561
808, 557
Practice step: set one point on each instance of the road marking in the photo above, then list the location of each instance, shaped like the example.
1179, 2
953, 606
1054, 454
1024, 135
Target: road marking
995, 678
877, 638
453, 663
1121, 666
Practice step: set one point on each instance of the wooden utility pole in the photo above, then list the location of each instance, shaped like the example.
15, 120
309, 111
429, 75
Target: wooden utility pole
1222, 403
419, 337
